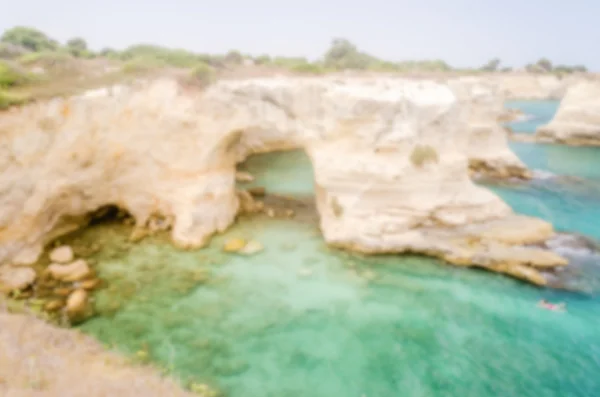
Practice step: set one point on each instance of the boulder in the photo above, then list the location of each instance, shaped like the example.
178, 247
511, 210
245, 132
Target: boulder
74, 271
62, 254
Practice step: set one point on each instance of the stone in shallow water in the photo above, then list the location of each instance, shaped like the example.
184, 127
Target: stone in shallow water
234, 245
76, 303
241, 246
62, 254
252, 247
75, 271
257, 191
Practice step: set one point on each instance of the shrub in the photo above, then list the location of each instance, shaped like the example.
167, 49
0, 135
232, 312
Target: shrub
203, 73
307, 67
78, 47
11, 76
171, 57
423, 154
142, 65
234, 57
7, 100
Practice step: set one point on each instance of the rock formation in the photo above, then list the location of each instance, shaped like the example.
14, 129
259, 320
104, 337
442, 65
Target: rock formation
534, 86
391, 171
577, 121
482, 106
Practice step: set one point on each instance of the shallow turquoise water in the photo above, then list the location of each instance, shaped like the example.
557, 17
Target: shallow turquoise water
538, 112
300, 319
559, 159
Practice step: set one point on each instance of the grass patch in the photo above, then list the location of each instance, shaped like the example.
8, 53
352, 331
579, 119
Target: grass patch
423, 154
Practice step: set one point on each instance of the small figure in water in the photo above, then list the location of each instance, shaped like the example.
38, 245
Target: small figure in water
552, 306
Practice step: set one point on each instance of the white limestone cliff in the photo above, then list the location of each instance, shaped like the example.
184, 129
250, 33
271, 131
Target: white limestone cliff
534, 86
488, 152
577, 121
391, 170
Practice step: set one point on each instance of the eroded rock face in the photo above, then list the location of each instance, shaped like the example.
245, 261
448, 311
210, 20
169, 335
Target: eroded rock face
482, 105
390, 161
577, 121
534, 86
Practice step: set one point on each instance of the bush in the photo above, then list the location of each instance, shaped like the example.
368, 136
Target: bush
10, 76
7, 100
306, 67
167, 56
423, 154
142, 65
203, 73
78, 47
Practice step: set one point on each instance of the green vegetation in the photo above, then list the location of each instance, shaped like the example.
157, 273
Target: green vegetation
29, 38
143, 64
11, 75
203, 73
28, 55
44, 57
423, 154
8, 99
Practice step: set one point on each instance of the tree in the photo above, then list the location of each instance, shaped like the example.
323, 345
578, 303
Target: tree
492, 65
344, 55
29, 38
234, 57
77, 46
262, 59
544, 64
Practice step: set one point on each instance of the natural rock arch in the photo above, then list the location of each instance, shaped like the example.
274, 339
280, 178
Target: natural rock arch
157, 149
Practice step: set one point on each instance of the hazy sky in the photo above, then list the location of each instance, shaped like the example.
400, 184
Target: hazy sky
462, 32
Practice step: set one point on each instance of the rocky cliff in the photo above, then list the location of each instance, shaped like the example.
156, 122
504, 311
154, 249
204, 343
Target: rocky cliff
482, 105
534, 86
577, 121
391, 170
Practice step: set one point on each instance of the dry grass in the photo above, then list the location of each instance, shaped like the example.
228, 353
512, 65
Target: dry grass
37, 359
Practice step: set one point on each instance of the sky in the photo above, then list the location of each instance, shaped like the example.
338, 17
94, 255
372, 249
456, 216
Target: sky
464, 33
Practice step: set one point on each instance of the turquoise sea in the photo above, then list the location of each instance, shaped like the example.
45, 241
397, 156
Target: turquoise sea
302, 320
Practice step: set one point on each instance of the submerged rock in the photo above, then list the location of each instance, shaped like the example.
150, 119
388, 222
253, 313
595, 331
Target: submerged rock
15, 278
252, 247
234, 245
62, 254
241, 246
75, 271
